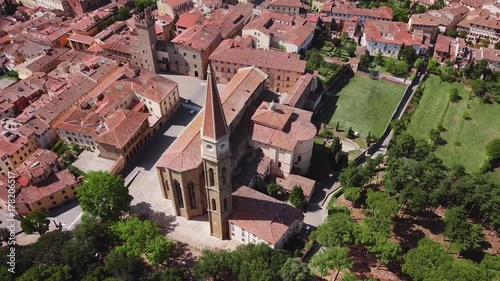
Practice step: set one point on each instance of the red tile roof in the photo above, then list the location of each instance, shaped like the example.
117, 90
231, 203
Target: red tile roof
292, 180
190, 19
198, 37
286, 3
229, 52
46, 188
122, 125
390, 32
82, 38
262, 215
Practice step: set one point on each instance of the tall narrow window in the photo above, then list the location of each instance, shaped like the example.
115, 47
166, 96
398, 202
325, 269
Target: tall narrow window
214, 205
211, 176
225, 204
178, 191
192, 195
223, 175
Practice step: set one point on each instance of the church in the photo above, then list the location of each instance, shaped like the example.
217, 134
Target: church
234, 143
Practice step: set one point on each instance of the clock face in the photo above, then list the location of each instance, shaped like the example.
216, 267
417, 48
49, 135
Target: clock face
223, 147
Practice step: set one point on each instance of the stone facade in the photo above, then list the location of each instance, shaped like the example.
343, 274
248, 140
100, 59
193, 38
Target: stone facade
144, 54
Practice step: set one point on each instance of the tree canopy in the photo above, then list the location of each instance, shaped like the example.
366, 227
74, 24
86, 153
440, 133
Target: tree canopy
104, 195
35, 222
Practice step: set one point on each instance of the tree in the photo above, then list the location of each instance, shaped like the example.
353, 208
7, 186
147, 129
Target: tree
454, 96
35, 222
143, 237
4, 234
424, 259
459, 230
351, 49
452, 33
466, 115
386, 250
350, 133
433, 64
408, 54
352, 194
273, 189
294, 270
297, 197
337, 230
337, 127
485, 43
123, 266
491, 265
478, 87
400, 15
493, 149
123, 13
497, 45
48, 273
141, 4
420, 9
434, 135
369, 138
104, 195
418, 62
332, 258
397, 67
314, 60
212, 264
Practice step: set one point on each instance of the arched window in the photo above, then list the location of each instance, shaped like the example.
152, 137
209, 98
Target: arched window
211, 177
223, 175
214, 205
178, 195
192, 195
225, 204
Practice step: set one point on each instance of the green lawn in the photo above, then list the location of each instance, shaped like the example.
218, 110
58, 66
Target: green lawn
465, 139
365, 105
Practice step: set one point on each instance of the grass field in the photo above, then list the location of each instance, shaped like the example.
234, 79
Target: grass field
465, 140
365, 105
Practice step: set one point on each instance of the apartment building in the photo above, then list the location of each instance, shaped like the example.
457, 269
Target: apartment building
280, 31
174, 8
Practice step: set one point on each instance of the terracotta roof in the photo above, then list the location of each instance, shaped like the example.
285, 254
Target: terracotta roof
187, 20
175, 3
228, 52
82, 38
489, 22
282, 128
428, 20
122, 125
292, 180
443, 43
36, 164
286, 3
11, 142
198, 37
269, 219
491, 55
327, 7
46, 188
298, 89
238, 91
390, 32
276, 119
476, 3
214, 119
291, 29
351, 10
157, 88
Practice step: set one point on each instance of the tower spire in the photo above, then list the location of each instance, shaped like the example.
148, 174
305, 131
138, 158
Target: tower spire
214, 120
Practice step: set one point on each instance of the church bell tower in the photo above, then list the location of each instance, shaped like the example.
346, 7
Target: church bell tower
216, 161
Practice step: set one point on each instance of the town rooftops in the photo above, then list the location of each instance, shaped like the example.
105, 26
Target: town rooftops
11, 142
269, 218
428, 20
228, 52
90, 20
292, 180
122, 125
286, 3
176, 3
190, 19
82, 38
156, 88
291, 29
351, 10
491, 55
46, 188
282, 126
198, 37
36, 164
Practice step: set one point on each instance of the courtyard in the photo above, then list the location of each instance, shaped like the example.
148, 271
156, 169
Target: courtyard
364, 104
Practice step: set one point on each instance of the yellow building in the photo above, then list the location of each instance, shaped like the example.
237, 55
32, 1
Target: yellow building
14, 149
